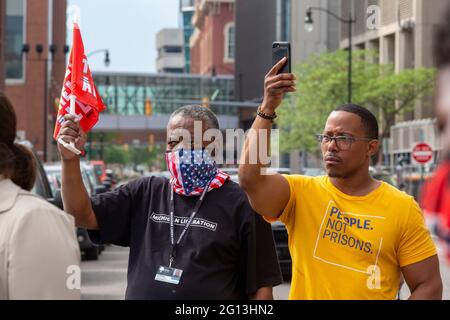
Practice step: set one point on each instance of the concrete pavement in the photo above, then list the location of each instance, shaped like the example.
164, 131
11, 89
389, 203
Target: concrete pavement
106, 278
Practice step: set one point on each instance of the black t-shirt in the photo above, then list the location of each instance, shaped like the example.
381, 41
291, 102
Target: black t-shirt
227, 253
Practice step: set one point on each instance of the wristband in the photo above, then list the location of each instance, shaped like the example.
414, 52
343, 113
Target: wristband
266, 116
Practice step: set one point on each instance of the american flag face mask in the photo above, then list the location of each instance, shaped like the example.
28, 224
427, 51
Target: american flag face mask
192, 170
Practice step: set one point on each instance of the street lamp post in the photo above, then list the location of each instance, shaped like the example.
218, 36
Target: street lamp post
107, 61
39, 50
309, 27
52, 50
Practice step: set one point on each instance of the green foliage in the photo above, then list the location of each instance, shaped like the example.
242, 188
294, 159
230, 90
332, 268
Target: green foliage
322, 85
134, 155
116, 154
141, 154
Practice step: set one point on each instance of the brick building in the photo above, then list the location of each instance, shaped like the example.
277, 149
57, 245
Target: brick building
404, 36
2, 44
35, 50
212, 43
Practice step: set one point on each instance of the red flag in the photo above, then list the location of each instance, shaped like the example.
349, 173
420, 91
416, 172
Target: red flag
78, 82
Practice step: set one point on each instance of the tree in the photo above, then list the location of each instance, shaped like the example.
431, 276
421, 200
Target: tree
322, 85
135, 155
143, 155
116, 154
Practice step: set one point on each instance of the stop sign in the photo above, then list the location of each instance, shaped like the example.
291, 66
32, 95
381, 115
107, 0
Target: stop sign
422, 153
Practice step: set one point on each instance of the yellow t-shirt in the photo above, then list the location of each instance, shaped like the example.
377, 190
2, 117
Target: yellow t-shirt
347, 247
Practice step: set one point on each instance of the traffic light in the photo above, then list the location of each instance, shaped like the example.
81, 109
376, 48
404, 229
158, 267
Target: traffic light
56, 103
148, 107
151, 142
151, 139
205, 101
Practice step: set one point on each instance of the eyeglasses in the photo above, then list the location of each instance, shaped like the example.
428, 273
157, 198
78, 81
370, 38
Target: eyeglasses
342, 142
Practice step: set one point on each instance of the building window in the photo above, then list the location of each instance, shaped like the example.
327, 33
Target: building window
173, 49
229, 31
187, 3
284, 20
15, 38
173, 70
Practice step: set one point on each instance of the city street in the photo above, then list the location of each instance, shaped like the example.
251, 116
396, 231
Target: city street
106, 278
337, 111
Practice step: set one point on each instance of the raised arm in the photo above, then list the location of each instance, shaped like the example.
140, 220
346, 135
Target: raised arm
268, 194
75, 197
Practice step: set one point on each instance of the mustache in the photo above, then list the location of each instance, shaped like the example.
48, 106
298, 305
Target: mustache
332, 156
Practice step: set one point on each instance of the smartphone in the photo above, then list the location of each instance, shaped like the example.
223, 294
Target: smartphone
279, 51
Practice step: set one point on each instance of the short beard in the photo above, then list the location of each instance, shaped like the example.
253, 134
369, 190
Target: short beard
337, 175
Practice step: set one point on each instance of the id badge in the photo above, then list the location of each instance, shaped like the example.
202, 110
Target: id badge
169, 275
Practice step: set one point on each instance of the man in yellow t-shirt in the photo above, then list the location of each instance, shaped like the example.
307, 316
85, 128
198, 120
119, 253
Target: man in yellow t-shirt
350, 236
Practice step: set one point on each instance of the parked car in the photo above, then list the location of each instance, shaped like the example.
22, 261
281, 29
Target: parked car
52, 193
386, 177
99, 169
162, 174
97, 186
313, 172
280, 236
54, 176
111, 177
279, 232
53, 172
42, 186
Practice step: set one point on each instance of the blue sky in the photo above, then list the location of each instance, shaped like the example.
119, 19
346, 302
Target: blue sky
127, 28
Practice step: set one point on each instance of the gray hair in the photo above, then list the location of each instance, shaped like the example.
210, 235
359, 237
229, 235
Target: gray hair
197, 112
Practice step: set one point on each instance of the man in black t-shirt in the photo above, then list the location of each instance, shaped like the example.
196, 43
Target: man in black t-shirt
194, 236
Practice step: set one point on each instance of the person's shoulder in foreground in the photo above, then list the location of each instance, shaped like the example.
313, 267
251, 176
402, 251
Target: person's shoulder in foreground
42, 239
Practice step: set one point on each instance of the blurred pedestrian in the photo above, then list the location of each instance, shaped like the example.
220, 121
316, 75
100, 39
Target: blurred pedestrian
436, 192
38, 244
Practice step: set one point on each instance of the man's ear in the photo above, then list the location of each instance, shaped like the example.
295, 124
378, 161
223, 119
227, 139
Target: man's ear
373, 147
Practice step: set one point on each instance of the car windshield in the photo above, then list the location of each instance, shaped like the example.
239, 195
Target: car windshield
38, 187
87, 183
92, 177
313, 172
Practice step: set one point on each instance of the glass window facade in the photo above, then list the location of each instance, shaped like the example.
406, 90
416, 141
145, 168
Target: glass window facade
231, 42
284, 20
15, 38
126, 94
188, 29
172, 49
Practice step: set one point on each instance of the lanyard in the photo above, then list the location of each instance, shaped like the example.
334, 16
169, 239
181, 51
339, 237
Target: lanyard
176, 245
